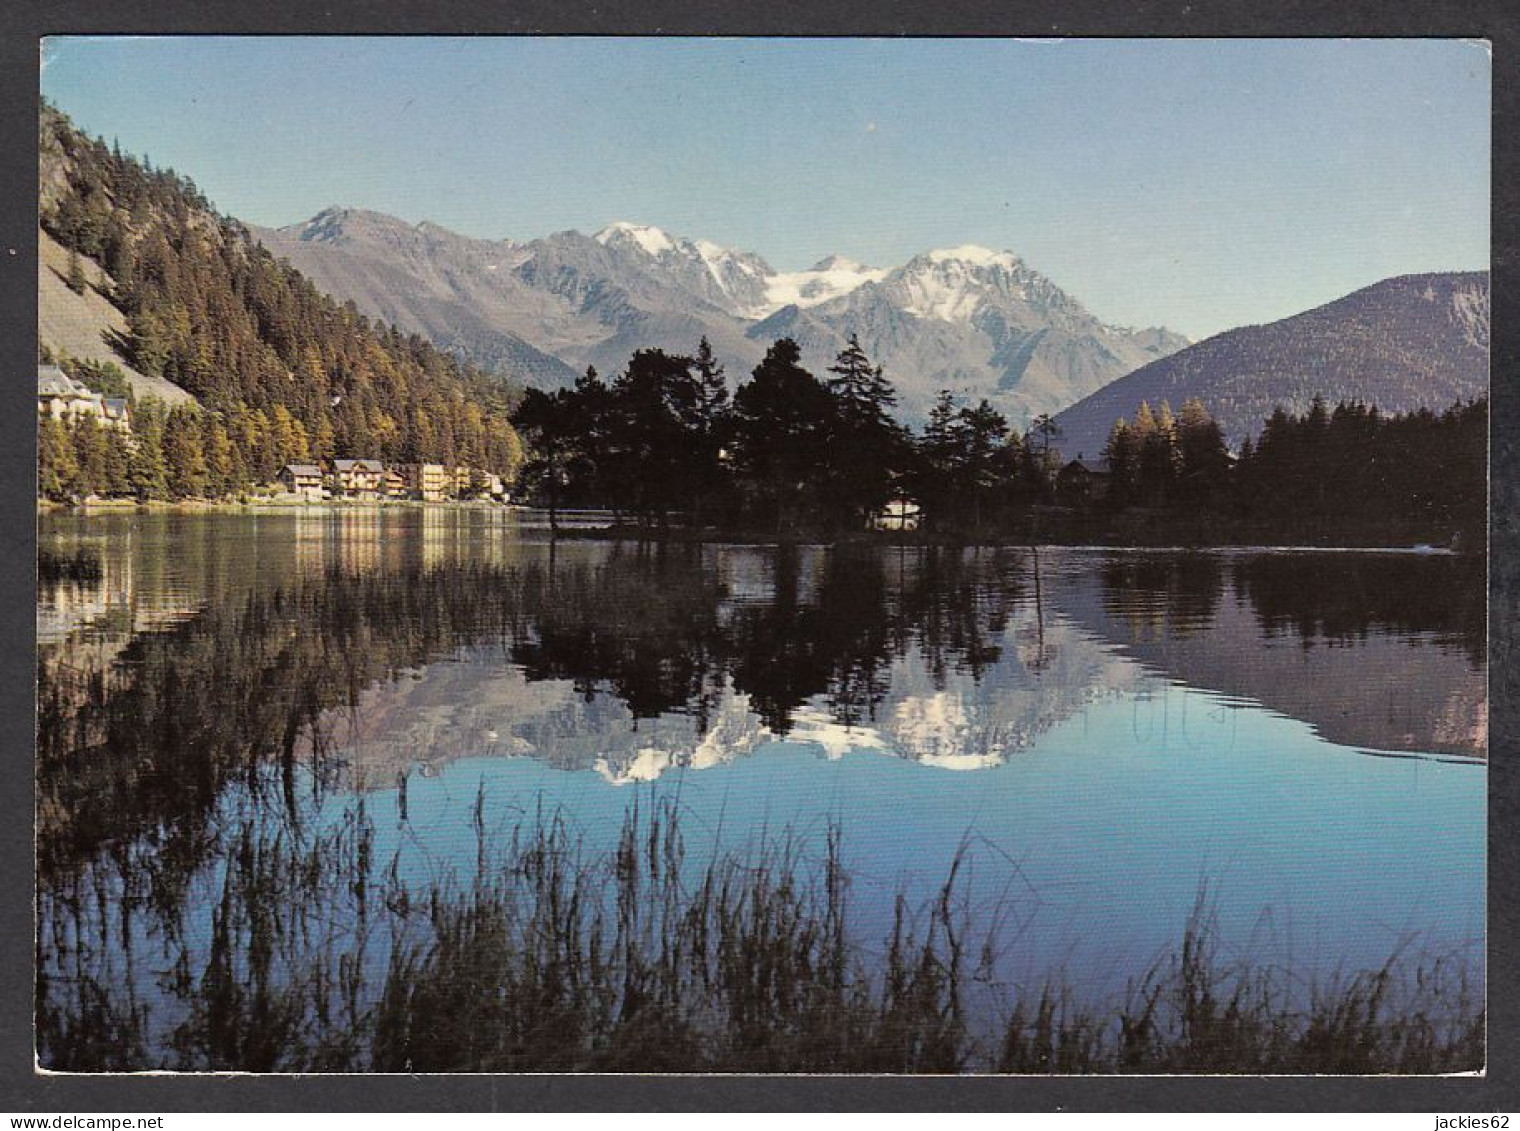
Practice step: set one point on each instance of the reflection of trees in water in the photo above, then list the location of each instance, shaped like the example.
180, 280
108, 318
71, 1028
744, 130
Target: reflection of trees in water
641, 624
1162, 595
657, 628
189, 710
960, 603
1410, 673
869, 609
1310, 596
1340, 597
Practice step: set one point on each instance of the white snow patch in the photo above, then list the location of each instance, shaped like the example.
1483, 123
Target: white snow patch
974, 254
815, 725
734, 732
651, 239
647, 765
948, 292
819, 285
937, 730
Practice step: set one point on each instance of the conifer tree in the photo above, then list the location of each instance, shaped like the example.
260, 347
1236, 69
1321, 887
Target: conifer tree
147, 477
75, 278
223, 471
866, 447
1122, 456
116, 462
1154, 435
713, 424
89, 443
548, 420
184, 455
863, 396
57, 469
1203, 459
783, 417
656, 404
1045, 427
988, 462
938, 462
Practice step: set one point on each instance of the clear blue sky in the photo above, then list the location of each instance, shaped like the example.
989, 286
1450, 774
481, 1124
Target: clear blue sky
1195, 184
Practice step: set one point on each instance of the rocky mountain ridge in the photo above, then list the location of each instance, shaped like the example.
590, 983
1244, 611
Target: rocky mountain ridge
980, 322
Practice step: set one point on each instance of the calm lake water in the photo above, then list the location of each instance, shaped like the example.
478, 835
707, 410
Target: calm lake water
1100, 734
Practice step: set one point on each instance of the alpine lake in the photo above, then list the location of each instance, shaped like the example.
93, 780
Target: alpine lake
1100, 746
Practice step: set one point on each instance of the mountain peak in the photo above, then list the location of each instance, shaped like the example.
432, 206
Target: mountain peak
974, 255
955, 284
840, 263
335, 222
326, 224
650, 239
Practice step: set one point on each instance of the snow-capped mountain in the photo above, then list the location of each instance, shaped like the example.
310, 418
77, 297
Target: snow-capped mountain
980, 322
732, 280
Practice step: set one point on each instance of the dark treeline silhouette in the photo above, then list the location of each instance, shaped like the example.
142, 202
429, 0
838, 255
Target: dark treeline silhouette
795, 456
788, 451
281, 372
1350, 468
1424, 470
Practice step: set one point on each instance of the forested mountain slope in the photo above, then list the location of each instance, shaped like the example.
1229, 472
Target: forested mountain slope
252, 339
84, 324
1410, 342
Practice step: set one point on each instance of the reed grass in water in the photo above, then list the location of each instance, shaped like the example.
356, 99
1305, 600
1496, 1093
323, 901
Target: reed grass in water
311, 955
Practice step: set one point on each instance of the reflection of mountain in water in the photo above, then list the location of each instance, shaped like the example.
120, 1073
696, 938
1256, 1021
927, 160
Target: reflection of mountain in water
1380, 651
940, 658
476, 705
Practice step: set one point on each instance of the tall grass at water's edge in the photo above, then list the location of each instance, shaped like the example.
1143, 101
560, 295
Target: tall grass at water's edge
546, 959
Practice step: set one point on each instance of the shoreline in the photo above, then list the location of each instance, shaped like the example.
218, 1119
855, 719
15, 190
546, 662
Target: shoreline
1050, 539
611, 532
243, 506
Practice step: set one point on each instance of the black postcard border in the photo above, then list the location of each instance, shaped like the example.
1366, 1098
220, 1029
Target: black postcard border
22, 1089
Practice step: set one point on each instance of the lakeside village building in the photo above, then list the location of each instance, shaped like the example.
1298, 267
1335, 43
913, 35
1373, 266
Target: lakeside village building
61, 397
372, 479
